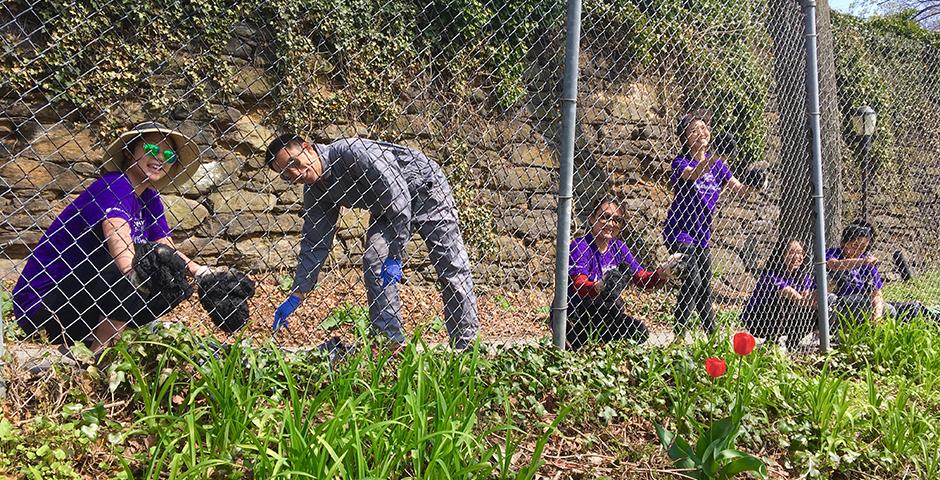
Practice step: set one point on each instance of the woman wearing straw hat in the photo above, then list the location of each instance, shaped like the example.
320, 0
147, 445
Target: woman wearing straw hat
86, 255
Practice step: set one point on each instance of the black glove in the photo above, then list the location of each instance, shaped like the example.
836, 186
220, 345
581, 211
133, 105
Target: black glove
725, 145
224, 295
755, 178
162, 274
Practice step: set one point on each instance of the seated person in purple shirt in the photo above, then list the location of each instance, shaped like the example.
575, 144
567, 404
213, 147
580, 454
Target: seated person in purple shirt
858, 283
698, 178
783, 302
854, 273
86, 255
595, 310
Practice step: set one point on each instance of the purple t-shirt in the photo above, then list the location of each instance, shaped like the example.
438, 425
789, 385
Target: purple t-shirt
770, 284
690, 217
859, 280
586, 259
76, 234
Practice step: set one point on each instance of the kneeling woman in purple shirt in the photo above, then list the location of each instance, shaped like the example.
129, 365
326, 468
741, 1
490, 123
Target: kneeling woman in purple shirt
595, 310
783, 302
85, 258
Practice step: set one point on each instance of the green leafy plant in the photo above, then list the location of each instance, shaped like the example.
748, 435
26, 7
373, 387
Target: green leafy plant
347, 314
285, 283
714, 455
503, 303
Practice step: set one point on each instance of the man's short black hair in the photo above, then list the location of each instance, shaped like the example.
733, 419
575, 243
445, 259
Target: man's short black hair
281, 142
859, 229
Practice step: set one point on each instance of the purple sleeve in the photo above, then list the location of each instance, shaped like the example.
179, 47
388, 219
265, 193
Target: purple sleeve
876, 281
778, 282
108, 197
626, 256
579, 260
833, 254
809, 283
678, 166
157, 227
722, 172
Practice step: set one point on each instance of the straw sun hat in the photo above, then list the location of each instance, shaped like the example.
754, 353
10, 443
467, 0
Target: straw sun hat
187, 153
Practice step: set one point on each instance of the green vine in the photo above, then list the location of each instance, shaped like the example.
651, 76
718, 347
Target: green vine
713, 46
476, 221
889, 64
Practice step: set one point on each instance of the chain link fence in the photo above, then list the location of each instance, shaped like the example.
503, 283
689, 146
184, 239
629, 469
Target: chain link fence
474, 87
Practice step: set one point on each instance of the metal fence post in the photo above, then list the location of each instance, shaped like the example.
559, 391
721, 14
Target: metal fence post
569, 101
812, 106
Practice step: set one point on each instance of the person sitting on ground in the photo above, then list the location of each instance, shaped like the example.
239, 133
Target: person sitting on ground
858, 284
600, 268
87, 255
784, 300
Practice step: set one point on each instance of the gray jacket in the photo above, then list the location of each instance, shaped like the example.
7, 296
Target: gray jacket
358, 173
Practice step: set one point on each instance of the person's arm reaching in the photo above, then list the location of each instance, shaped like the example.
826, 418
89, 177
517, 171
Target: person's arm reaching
738, 188
584, 287
692, 174
316, 241
391, 198
878, 305
649, 279
850, 263
192, 267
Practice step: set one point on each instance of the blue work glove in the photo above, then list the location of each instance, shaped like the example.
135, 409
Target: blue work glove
391, 271
284, 311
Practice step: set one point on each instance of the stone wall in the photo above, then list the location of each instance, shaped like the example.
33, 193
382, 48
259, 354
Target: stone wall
236, 212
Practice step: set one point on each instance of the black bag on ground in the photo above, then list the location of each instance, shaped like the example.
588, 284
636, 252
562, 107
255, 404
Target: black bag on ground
224, 295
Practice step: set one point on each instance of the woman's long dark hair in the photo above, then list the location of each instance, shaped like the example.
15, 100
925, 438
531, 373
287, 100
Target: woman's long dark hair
776, 265
604, 200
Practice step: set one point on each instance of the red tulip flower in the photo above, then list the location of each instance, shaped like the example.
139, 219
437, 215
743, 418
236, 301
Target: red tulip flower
743, 343
715, 367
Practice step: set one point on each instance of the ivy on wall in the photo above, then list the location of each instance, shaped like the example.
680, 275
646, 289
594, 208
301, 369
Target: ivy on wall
712, 47
890, 64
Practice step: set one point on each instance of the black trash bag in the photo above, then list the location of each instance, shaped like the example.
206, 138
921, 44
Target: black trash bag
336, 350
224, 295
615, 281
162, 276
755, 178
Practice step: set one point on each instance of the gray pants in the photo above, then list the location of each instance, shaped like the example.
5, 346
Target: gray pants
434, 215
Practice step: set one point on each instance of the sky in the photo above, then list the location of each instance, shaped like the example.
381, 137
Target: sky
840, 5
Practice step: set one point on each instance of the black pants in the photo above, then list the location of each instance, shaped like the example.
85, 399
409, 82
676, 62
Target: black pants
602, 320
696, 291
76, 305
780, 317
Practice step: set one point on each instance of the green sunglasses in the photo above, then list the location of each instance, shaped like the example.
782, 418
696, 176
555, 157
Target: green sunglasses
169, 156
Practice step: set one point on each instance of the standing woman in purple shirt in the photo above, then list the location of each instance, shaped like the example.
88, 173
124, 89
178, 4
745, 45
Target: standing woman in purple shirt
783, 301
600, 267
698, 178
79, 283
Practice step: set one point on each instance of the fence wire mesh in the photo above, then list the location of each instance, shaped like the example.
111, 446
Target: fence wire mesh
472, 87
